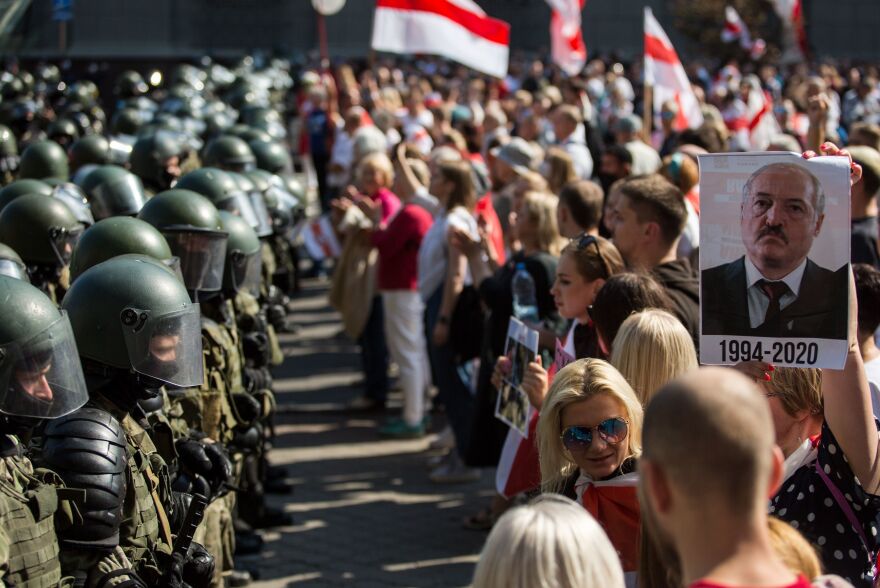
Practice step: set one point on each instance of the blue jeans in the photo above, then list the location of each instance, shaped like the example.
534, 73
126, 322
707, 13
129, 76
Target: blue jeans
374, 354
451, 391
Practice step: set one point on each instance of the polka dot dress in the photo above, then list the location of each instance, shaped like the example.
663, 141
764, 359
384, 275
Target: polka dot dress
805, 502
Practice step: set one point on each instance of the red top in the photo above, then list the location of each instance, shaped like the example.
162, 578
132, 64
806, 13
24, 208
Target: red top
801, 582
485, 213
398, 245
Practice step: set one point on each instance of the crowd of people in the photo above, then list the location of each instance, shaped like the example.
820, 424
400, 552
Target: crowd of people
456, 185
149, 244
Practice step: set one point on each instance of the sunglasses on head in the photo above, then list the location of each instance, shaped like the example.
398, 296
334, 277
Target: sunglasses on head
585, 241
612, 431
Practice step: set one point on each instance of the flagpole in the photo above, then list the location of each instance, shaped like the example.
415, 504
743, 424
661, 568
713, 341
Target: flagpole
647, 112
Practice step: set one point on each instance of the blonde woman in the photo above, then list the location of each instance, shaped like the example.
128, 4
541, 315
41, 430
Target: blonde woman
544, 544
558, 169
589, 438
651, 348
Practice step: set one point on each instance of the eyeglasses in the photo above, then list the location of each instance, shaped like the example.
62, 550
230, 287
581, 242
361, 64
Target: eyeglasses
585, 241
612, 431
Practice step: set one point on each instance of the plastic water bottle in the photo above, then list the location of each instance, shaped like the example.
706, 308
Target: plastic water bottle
525, 303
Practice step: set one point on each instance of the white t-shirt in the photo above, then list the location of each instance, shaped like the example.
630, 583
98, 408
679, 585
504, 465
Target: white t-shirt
872, 370
433, 254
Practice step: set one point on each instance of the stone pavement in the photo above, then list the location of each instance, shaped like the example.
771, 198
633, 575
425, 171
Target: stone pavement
365, 512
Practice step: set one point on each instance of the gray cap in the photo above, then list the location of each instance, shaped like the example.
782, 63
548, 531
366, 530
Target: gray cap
519, 154
628, 124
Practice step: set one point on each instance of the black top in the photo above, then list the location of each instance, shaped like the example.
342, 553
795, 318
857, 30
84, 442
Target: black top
863, 248
806, 503
683, 287
497, 293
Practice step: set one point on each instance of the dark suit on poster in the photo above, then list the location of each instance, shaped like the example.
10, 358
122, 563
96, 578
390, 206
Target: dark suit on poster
819, 311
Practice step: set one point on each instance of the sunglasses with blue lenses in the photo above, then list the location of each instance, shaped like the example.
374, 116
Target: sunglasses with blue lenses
612, 431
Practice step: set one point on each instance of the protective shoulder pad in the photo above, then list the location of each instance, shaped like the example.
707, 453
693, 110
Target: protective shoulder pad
87, 448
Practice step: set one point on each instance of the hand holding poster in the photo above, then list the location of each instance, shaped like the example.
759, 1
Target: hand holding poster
774, 255
512, 406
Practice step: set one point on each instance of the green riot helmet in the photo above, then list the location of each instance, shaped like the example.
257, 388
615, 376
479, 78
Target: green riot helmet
63, 131
42, 229
22, 187
119, 235
281, 205
40, 371
90, 150
11, 264
223, 190
272, 157
129, 83
131, 315
192, 227
8, 151
251, 134
243, 260
44, 159
126, 121
75, 199
263, 225
229, 153
152, 158
113, 191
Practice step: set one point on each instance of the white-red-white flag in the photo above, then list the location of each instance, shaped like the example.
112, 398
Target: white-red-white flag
792, 14
456, 29
666, 75
566, 38
735, 30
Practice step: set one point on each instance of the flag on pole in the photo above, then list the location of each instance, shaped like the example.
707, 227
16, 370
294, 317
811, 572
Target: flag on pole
566, 38
792, 15
666, 75
456, 29
735, 30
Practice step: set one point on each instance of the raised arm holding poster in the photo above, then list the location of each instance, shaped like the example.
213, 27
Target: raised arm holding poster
774, 252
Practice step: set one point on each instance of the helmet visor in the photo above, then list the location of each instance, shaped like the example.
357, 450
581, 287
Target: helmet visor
121, 197
202, 255
42, 377
71, 195
166, 347
63, 242
240, 205
245, 271
13, 269
120, 150
173, 263
264, 223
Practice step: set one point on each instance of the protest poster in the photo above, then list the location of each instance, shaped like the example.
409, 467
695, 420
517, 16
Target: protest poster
512, 406
319, 239
774, 259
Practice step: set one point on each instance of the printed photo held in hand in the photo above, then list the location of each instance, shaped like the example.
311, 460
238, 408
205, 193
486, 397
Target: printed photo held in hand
512, 405
774, 252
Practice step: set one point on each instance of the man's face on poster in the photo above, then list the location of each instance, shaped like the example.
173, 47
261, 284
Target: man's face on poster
779, 219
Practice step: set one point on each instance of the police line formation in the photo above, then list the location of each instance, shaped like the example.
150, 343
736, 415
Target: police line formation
139, 324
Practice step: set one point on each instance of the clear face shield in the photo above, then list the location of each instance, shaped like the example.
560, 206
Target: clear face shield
202, 255
245, 271
264, 222
42, 377
71, 195
283, 212
240, 204
121, 197
13, 269
63, 242
166, 347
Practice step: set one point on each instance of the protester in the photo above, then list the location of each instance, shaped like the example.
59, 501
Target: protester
543, 544
868, 296
863, 247
579, 210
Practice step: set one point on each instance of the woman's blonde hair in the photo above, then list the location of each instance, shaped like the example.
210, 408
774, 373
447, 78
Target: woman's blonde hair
795, 552
540, 210
559, 169
463, 192
378, 161
576, 382
797, 389
551, 543
651, 348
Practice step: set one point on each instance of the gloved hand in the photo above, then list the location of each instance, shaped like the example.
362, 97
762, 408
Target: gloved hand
192, 457
221, 468
178, 508
198, 570
114, 570
277, 315
247, 409
256, 348
189, 483
247, 439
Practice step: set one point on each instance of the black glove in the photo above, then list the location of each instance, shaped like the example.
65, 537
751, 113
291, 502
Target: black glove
277, 315
247, 409
190, 483
247, 439
191, 455
178, 508
256, 348
198, 570
221, 468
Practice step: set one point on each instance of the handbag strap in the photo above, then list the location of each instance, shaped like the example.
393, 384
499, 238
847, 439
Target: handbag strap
844, 506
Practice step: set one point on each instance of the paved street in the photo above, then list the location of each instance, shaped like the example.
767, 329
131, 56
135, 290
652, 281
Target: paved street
365, 512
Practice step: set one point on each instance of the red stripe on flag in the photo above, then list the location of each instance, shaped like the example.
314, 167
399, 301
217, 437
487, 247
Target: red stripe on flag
765, 108
496, 31
655, 49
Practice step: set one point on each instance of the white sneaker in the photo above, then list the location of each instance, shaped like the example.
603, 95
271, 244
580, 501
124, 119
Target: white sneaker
445, 440
454, 472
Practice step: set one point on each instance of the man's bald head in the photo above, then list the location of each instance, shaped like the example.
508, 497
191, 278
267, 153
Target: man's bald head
711, 434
